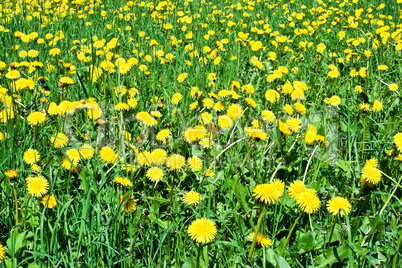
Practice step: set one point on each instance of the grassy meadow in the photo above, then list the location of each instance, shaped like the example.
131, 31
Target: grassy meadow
200, 133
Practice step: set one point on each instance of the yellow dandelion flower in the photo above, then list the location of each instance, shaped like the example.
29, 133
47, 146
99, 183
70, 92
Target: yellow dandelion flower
284, 128
182, 77
107, 155
272, 95
398, 141
164, 135
87, 151
13, 75
256, 134
202, 230
269, 193
268, 116
37, 186
225, 122
308, 201
393, 87
176, 162
31, 156
336, 204
334, 100
68, 164
66, 81
49, 201
11, 174
159, 156
129, 204
377, 106
74, 155
60, 140
195, 163
36, 118
192, 198
295, 189
235, 111
155, 174
2, 253
294, 124
371, 176
262, 239
176, 98
122, 106
123, 181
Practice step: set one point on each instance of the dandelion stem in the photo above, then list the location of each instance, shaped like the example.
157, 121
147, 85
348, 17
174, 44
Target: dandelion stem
364, 133
198, 255
16, 208
290, 233
391, 195
257, 229
171, 190
330, 234
26, 212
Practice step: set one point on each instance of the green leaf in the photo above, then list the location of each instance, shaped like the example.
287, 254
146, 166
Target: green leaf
240, 192
276, 260
17, 241
333, 255
305, 243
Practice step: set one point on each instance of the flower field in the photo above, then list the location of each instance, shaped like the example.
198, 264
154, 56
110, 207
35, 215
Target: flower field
200, 133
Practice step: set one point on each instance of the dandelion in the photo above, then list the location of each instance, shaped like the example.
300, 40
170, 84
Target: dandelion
155, 174
377, 106
393, 87
192, 198
13, 75
73, 155
144, 158
269, 193
195, 163
333, 101
2, 253
158, 156
398, 141
37, 186
295, 189
49, 201
60, 140
272, 95
107, 155
123, 181
225, 122
11, 174
268, 116
31, 156
66, 81
36, 118
164, 135
176, 98
176, 162
371, 176
262, 239
86, 151
202, 230
182, 77
308, 202
129, 203
235, 111
337, 204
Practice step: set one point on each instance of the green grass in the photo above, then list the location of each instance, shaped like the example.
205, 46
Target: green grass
88, 227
